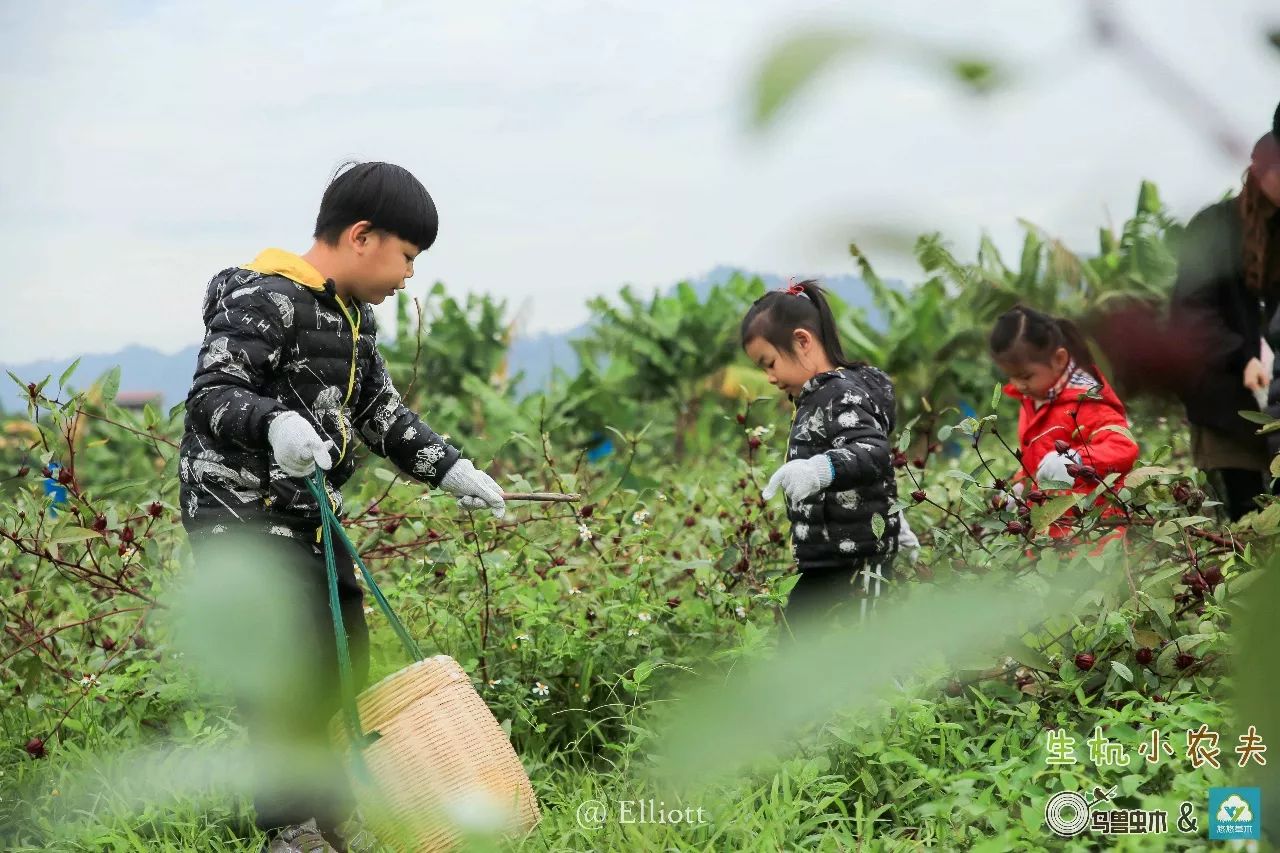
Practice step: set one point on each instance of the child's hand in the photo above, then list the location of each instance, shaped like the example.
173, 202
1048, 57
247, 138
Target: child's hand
297, 446
1053, 467
801, 478
475, 489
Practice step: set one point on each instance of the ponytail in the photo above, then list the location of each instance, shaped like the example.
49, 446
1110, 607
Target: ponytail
1039, 336
777, 315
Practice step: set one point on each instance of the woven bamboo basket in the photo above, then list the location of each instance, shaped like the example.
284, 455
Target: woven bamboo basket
440, 765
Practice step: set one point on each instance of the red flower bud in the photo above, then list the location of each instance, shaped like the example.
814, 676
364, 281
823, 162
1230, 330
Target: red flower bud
64, 476
899, 459
1184, 660
1085, 661
155, 509
690, 521
753, 442
1061, 446
673, 602
100, 523
587, 511
1144, 656
126, 534
35, 748
742, 419
919, 496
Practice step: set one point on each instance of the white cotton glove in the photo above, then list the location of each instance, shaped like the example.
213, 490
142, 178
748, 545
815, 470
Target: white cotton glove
1011, 501
801, 478
475, 489
297, 447
1053, 468
908, 542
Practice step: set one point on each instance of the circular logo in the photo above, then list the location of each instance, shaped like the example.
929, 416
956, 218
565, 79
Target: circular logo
1064, 801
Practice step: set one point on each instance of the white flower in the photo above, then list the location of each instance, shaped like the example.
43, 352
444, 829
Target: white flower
760, 431
741, 611
583, 533
90, 680
631, 632
643, 617
368, 610
444, 437
573, 590
524, 638
639, 517
494, 682
720, 586
540, 689
661, 496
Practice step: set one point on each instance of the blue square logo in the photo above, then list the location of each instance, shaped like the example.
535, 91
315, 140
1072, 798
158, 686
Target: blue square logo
1235, 813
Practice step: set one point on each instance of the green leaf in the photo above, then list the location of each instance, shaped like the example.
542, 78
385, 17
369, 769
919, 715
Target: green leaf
1050, 511
979, 75
944, 432
110, 384
1120, 429
1122, 671
1149, 198
877, 525
1275, 466
995, 397
792, 65
75, 534
66, 374
1255, 416
1028, 656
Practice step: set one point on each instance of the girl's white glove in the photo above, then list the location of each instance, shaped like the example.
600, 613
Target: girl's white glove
908, 542
801, 478
1053, 467
474, 489
296, 445
1011, 500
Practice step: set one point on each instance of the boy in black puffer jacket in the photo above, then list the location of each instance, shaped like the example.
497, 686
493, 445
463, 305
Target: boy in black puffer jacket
288, 375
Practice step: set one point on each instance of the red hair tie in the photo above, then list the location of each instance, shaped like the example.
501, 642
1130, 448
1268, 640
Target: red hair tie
793, 288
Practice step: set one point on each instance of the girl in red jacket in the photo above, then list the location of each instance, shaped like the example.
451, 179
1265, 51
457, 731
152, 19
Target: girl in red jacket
1072, 428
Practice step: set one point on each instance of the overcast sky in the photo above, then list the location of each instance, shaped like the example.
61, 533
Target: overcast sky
570, 146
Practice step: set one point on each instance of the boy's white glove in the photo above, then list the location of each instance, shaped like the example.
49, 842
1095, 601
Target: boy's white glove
908, 542
296, 445
801, 478
1053, 467
474, 489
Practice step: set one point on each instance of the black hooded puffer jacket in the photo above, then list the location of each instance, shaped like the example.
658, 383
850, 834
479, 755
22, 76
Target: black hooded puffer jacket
278, 338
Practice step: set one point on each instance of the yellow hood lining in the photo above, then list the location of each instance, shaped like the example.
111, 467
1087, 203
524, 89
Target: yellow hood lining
289, 265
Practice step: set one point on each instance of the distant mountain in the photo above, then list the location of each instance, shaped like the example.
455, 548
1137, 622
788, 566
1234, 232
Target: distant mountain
143, 368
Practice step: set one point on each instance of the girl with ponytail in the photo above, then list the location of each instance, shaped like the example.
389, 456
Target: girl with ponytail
1072, 428
839, 478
